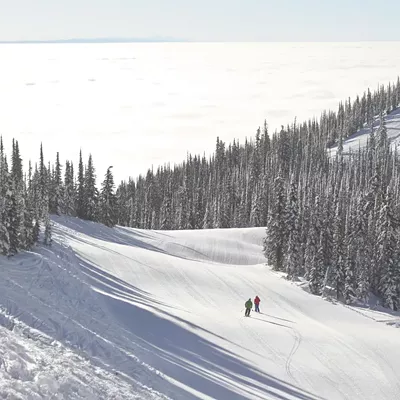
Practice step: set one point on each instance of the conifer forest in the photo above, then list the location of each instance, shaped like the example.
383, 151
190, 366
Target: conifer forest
332, 218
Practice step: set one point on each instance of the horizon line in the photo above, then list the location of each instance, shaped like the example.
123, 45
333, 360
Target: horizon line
174, 40
95, 40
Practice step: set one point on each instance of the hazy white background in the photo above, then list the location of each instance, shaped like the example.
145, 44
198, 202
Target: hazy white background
142, 104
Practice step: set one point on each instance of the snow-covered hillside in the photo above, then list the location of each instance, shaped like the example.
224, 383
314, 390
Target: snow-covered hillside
359, 140
163, 312
33, 366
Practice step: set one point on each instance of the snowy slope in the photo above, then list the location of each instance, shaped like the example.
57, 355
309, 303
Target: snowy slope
32, 366
360, 138
165, 311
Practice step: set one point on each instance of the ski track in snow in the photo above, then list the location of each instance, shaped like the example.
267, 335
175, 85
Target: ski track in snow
160, 315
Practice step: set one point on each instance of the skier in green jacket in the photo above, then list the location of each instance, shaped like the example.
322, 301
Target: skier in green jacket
248, 306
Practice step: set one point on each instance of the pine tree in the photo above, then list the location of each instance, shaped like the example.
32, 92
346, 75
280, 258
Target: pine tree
389, 255
69, 195
56, 201
313, 240
316, 273
370, 112
166, 211
350, 261
36, 229
362, 256
183, 210
292, 223
132, 214
349, 291
91, 192
4, 206
47, 228
42, 182
107, 201
80, 195
276, 239
13, 217
338, 273
17, 204
16, 163
4, 223
4, 236
255, 214
28, 222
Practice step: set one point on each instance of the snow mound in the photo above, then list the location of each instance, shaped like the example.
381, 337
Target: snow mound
33, 366
164, 310
359, 139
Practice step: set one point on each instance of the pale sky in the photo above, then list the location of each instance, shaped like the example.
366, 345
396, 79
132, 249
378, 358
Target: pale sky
201, 20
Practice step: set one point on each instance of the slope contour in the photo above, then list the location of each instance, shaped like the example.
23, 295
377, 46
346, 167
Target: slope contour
164, 311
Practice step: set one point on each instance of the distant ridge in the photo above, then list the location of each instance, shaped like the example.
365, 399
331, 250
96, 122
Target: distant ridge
96, 40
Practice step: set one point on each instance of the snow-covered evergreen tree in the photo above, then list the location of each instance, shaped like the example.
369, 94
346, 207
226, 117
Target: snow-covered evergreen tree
107, 199
91, 192
47, 228
56, 193
256, 208
80, 190
363, 254
275, 241
4, 221
313, 240
338, 261
14, 222
4, 236
42, 187
69, 195
316, 272
389, 254
292, 224
36, 229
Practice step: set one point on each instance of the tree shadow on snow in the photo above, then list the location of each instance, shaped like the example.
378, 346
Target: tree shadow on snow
170, 344
280, 319
372, 306
379, 313
117, 287
394, 115
117, 235
139, 326
120, 235
269, 322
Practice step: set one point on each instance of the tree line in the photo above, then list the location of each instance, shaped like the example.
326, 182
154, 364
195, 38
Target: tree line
28, 199
333, 219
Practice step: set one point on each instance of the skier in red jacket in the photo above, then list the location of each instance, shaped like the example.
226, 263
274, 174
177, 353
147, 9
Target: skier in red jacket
256, 304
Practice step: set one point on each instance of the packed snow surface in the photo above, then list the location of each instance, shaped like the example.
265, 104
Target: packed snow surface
128, 313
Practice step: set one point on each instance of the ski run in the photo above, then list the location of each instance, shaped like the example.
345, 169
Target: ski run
118, 313
359, 140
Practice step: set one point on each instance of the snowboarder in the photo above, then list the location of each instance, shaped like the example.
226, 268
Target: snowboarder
257, 304
248, 306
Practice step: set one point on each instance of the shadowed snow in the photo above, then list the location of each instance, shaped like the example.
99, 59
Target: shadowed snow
166, 310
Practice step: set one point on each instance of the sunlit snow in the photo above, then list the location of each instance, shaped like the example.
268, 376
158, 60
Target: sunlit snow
164, 312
